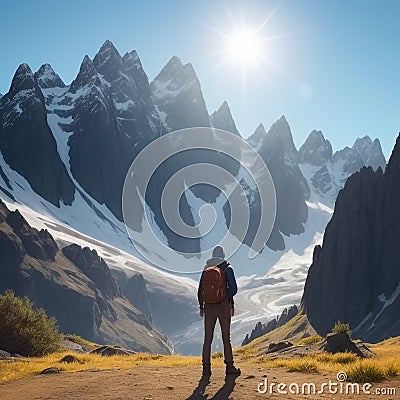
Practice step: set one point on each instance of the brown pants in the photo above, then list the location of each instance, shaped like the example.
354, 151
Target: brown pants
222, 312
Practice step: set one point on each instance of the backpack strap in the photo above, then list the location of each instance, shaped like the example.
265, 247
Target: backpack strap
223, 265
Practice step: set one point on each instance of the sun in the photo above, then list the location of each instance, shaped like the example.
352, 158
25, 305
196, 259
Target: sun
244, 47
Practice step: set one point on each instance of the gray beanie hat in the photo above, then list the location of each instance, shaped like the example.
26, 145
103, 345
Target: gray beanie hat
218, 252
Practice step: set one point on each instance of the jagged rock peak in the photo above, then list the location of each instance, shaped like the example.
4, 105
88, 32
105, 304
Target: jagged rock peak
131, 58
174, 69
23, 80
133, 66
258, 135
176, 92
316, 150
370, 152
87, 74
174, 62
108, 47
222, 119
107, 58
46, 77
280, 135
223, 108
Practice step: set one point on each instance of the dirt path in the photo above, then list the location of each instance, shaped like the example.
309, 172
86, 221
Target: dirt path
181, 383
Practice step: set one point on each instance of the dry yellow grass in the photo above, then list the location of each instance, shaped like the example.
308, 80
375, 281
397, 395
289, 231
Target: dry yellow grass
313, 363
18, 368
385, 363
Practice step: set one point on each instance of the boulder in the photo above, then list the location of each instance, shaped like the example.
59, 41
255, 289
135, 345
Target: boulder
341, 343
4, 355
49, 371
274, 347
112, 351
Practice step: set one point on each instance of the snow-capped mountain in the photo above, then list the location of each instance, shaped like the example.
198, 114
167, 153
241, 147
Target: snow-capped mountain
65, 151
316, 150
177, 94
280, 155
47, 78
27, 142
327, 172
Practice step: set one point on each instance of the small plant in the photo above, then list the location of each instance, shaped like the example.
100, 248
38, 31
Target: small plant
25, 329
365, 372
391, 371
341, 327
217, 355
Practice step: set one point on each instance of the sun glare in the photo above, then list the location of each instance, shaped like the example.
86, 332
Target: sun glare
245, 47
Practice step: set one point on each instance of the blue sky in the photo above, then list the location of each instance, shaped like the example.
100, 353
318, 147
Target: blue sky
334, 65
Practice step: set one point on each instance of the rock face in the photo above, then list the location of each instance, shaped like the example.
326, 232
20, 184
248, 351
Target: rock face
354, 277
177, 94
46, 77
27, 143
222, 119
316, 150
94, 267
261, 329
75, 286
108, 117
134, 288
280, 155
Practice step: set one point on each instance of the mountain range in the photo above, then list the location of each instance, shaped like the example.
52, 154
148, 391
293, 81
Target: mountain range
65, 150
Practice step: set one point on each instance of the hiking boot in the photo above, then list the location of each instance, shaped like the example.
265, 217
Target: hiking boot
206, 370
232, 370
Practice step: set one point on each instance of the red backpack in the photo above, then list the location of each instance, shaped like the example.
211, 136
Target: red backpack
214, 285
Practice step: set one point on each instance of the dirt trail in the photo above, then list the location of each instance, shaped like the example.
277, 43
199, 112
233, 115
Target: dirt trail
165, 383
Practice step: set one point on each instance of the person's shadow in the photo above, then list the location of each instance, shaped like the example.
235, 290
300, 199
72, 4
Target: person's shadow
198, 393
222, 394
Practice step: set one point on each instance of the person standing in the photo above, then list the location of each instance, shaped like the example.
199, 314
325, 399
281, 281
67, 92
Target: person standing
217, 287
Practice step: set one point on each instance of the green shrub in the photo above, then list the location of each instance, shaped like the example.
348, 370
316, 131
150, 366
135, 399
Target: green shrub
24, 329
341, 327
217, 355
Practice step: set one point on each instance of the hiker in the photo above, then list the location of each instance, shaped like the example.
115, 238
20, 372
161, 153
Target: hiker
215, 294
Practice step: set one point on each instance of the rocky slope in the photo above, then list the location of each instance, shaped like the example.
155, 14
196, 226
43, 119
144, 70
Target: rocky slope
73, 285
354, 276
